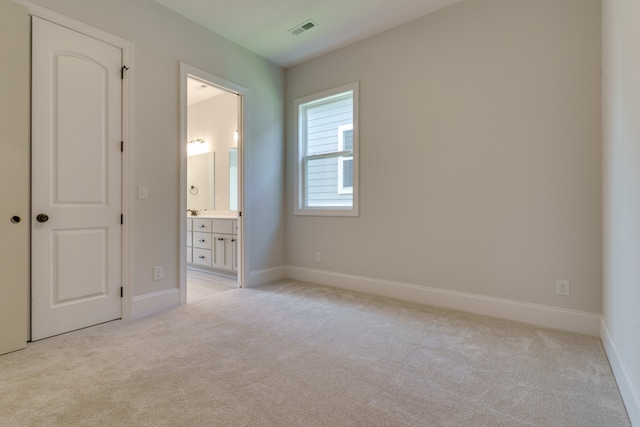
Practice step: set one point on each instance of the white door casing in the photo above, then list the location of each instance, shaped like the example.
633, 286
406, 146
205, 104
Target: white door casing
76, 180
241, 260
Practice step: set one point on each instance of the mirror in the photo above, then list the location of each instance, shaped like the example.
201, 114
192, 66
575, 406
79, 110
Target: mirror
201, 181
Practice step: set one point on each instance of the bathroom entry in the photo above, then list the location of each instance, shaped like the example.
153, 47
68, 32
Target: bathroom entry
211, 198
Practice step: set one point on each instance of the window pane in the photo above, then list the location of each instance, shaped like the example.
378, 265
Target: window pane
348, 140
323, 120
322, 183
347, 172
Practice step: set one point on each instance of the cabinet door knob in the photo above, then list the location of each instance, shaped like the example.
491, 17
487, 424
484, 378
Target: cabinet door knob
201, 225
201, 240
201, 257
42, 218
15, 219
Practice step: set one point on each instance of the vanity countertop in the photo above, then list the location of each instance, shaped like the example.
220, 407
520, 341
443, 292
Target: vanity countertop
214, 215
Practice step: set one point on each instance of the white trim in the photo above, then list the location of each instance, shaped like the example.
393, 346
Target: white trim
127, 136
341, 188
628, 389
182, 206
540, 315
81, 27
187, 70
153, 303
260, 277
127, 181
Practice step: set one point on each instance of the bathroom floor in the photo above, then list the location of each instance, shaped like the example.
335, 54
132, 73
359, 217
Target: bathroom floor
201, 284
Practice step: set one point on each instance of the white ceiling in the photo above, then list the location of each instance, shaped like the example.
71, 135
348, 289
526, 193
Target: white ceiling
262, 26
198, 91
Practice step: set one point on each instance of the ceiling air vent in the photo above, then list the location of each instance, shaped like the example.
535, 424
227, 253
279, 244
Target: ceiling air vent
305, 26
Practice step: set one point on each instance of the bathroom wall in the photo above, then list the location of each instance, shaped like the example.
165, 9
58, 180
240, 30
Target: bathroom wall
200, 181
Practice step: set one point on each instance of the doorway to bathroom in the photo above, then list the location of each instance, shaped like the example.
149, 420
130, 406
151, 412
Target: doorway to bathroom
212, 130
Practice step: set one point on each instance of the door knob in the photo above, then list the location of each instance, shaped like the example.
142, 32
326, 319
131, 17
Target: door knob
42, 218
15, 219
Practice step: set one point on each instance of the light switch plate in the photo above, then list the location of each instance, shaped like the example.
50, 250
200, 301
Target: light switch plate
143, 193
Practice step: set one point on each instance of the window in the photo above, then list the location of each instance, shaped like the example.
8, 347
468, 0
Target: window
326, 166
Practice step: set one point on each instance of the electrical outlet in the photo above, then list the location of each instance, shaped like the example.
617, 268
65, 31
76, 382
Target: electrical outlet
158, 273
563, 287
318, 256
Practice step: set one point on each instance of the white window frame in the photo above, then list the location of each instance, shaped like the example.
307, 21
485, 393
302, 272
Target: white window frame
341, 188
300, 156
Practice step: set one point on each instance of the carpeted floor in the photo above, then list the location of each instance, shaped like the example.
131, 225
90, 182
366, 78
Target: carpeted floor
293, 354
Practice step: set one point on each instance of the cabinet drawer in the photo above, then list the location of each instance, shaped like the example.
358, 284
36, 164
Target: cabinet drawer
202, 257
189, 255
189, 239
224, 226
202, 240
202, 225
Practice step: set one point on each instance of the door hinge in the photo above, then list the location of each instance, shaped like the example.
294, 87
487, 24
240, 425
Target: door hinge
122, 146
122, 70
121, 219
121, 292
240, 213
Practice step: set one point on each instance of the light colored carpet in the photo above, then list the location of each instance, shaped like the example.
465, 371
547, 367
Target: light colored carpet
293, 354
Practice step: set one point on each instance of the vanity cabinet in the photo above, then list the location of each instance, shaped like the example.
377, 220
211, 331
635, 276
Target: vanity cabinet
189, 241
212, 243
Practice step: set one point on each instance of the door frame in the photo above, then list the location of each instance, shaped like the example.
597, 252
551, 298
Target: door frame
127, 137
187, 71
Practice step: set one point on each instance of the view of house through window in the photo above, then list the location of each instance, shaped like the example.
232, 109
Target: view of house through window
327, 153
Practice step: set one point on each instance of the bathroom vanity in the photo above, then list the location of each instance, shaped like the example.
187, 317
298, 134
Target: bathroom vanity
212, 243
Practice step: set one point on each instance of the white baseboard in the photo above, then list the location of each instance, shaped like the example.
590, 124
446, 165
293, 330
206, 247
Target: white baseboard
540, 315
260, 277
628, 389
154, 302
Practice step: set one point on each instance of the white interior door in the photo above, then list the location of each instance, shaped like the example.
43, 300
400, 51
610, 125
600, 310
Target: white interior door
76, 180
14, 179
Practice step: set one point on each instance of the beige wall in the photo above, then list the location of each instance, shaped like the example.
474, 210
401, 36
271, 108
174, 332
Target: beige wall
621, 60
14, 177
480, 168
161, 40
215, 120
